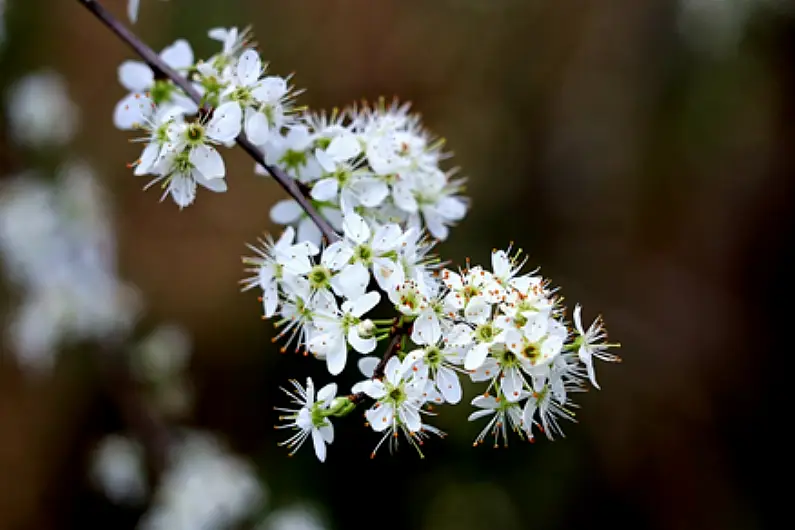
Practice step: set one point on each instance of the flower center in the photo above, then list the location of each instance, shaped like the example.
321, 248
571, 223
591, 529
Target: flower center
195, 133
484, 333
242, 95
532, 352
470, 291
182, 163
409, 299
396, 395
363, 253
319, 277
293, 159
433, 356
508, 359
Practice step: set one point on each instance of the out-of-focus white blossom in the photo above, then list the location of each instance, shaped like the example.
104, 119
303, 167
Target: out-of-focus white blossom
58, 248
117, 468
293, 517
205, 487
160, 362
40, 112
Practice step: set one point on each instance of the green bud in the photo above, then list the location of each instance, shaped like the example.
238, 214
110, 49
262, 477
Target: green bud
341, 406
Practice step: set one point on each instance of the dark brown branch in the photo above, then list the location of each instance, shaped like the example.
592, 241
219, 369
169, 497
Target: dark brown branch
163, 71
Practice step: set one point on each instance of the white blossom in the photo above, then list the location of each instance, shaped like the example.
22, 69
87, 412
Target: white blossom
146, 92
309, 420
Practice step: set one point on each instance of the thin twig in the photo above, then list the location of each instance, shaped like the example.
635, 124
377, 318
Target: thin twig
162, 70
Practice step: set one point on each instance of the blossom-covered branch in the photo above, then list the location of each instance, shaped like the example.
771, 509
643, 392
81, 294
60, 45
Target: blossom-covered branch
378, 177
162, 70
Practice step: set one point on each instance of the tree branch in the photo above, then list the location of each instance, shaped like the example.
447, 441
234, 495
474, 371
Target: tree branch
163, 71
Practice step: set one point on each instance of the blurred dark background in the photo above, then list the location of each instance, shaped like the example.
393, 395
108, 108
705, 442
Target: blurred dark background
641, 151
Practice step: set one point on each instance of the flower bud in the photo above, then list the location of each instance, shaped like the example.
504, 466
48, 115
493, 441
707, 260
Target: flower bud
341, 406
366, 329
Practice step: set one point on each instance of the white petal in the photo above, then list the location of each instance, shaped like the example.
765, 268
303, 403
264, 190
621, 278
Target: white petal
393, 370
132, 10
476, 356
217, 185
536, 327
327, 432
286, 211
310, 391
410, 418
404, 198
371, 192
308, 231
380, 418
578, 318
365, 303
452, 280
352, 281
486, 371
500, 263
386, 237
132, 110
479, 414
359, 344
435, 224
337, 355
257, 128
460, 335
512, 385
584, 353
136, 76
179, 55
528, 412
336, 255
356, 228
367, 365
208, 161
285, 240
478, 310
182, 190
327, 393
448, 384
426, 328
451, 208
389, 274
270, 89
226, 122
485, 402
320, 445
270, 300
374, 389
325, 161
343, 147
147, 160
325, 189
249, 67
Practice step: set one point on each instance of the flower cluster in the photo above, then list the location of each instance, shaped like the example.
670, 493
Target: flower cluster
376, 160
369, 198
500, 327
